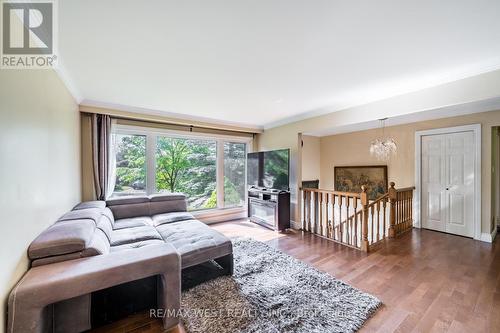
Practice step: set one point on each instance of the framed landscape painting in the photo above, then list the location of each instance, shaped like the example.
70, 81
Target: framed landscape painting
351, 178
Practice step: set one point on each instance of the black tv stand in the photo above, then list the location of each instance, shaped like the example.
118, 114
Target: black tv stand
269, 208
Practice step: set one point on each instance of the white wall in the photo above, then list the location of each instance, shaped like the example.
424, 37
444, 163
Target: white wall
39, 164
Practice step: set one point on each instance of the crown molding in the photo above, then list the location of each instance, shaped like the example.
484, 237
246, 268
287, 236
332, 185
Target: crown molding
164, 116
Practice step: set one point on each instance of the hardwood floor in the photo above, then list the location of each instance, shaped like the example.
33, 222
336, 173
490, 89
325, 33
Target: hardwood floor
428, 281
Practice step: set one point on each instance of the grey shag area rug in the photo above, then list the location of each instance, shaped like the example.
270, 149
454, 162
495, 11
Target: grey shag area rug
273, 292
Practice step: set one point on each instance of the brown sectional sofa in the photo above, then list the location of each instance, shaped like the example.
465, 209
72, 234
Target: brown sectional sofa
100, 244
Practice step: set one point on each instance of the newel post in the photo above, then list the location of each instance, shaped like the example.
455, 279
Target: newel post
392, 214
364, 229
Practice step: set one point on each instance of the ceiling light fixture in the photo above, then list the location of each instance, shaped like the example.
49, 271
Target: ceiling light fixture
384, 147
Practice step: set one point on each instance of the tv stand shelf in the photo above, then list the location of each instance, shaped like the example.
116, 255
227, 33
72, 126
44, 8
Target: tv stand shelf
269, 208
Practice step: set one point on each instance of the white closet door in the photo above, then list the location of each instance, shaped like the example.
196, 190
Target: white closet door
433, 182
448, 182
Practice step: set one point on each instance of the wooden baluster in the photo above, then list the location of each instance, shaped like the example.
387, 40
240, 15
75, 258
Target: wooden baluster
305, 210
321, 213
309, 211
402, 212
411, 209
326, 213
347, 220
349, 226
397, 215
333, 217
384, 207
373, 221
392, 212
355, 206
406, 211
364, 227
403, 225
315, 227
403, 208
402, 221
410, 201
398, 212
403, 204
340, 219
304, 195
378, 221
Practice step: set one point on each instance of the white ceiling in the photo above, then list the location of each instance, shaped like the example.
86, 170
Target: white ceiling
268, 62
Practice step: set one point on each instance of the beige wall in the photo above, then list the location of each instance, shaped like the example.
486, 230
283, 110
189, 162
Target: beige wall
495, 174
311, 157
276, 139
40, 164
352, 149
88, 190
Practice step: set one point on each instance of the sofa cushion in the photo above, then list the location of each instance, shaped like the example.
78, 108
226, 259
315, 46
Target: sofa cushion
98, 245
62, 238
93, 214
90, 204
54, 259
105, 226
131, 206
167, 203
132, 235
136, 245
109, 215
195, 241
166, 197
132, 222
171, 217
127, 200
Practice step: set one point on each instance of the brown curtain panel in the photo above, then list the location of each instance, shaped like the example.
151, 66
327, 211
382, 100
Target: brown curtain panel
101, 136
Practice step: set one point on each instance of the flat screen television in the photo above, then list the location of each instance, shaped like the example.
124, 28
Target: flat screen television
269, 169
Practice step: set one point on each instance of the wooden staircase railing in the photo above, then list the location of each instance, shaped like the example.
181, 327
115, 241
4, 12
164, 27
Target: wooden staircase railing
352, 220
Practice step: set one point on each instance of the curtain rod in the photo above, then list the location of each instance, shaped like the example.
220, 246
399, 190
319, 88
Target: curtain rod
160, 122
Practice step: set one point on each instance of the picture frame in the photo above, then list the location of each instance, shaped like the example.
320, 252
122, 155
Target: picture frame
351, 178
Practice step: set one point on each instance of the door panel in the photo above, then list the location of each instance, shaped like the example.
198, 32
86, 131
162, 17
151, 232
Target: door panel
460, 187
457, 209
448, 182
433, 178
455, 165
435, 169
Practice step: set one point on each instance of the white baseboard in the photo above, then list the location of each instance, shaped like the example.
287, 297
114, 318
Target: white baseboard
487, 237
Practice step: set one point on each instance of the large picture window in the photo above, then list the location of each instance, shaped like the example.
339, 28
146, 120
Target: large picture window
210, 171
188, 166
130, 151
234, 174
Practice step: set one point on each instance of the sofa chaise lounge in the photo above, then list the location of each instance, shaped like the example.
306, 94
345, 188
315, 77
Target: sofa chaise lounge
100, 244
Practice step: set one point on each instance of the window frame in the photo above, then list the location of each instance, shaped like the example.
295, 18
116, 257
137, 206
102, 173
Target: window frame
152, 134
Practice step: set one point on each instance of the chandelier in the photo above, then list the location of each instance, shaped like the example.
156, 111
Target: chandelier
383, 147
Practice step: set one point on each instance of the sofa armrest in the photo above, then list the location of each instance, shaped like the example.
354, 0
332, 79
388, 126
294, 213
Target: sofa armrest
52, 283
